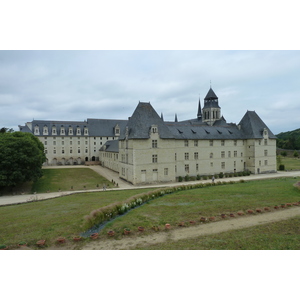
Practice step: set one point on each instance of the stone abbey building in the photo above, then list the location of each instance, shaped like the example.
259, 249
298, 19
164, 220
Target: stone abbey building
147, 149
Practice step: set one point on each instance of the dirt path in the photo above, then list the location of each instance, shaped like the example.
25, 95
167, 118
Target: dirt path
194, 231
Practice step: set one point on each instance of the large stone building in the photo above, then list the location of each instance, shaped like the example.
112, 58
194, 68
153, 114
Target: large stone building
147, 149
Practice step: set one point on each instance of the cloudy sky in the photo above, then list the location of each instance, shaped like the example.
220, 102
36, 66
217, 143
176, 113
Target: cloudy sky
76, 85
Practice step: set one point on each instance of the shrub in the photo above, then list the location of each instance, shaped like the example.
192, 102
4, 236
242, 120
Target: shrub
281, 167
221, 175
198, 177
180, 179
187, 177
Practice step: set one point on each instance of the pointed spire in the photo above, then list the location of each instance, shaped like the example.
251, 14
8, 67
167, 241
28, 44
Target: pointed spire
161, 116
176, 120
199, 114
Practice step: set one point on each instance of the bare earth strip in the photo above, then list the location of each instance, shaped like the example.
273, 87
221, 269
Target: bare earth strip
195, 231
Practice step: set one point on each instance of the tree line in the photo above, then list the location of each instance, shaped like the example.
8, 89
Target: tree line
21, 157
289, 140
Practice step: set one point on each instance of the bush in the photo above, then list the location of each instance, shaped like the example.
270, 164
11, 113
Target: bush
187, 178
198, 177
221, 175
281, 167
180, 179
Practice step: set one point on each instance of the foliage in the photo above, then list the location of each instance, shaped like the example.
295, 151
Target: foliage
289, 140
296, 154
21, 158
281, 167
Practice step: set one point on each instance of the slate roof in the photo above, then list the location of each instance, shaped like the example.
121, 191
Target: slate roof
110, 146
140, 123
252, 126
96, 127
211, 99
210, 95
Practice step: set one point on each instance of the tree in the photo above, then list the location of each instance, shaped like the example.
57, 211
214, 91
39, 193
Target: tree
21, 158
296, 154
4, 130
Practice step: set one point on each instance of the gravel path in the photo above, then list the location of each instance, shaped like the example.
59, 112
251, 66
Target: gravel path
194, 231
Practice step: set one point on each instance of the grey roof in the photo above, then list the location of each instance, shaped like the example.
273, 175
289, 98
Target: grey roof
211, 95
96, 127
140, 123
111, 146
253, 126
204, 132
104, 127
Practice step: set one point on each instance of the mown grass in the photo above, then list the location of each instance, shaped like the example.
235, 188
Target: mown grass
282, 235
209, 201
290, 163
52, 218
69, 179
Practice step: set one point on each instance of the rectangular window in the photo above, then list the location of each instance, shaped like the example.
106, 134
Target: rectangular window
70, 142
196, 143
211, 143
234, 164
211, 155
154, 158
54, 151
222, 143
166, 171
71, 150
211, 164
78, 151
187, 168
186, 143
86, 150
175, 156
54, 142
154, 143
63, 151
46, 151
222, 154
235, 143
229, 153
45, 143
186, 156
223, 165
266, 162
196, 155
235, 153
197, 167
78, 142
266, 152
266, 142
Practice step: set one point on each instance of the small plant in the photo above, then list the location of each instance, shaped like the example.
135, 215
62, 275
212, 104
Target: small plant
221, 175
3, 247
198, 177
180, 179
187, 178
167, 226
232, 215
181, 224
281, 167
258, 210
211, 218
250, 211
223, 216
126, 231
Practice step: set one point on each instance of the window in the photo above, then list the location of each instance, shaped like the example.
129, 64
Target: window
266, 162
70, 142
71, 151
266, 152
166, 171
175, 156
154, 158
78, 142
235, 143
211, 155
211, 164
186, 143
154, 143
259, 142
235, 153
223, 165
196, 143
45, 143
229, 153
196, 155
54, 151
154, 129
54, 142
62, 142
197, 167
211, 143
222, 143
234, 164
46, 151
78, 151
187, 168
223, 154
86, 150
266, 142
241, 154
186, 156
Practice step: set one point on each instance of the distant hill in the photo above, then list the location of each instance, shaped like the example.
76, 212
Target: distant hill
289, 140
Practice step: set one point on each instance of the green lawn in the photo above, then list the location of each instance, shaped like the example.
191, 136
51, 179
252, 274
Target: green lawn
52, 218
290, 163
209, 201
66, 179
282, 235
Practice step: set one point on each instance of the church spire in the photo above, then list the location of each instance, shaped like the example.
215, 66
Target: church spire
199, 114
176, 120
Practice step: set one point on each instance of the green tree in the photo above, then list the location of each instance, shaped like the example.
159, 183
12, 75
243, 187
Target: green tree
21, 158
296, 154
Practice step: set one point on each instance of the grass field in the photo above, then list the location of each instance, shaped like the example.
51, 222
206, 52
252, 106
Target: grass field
64, 216
52, 218
68, 179
282, 235
291, 163
210, 201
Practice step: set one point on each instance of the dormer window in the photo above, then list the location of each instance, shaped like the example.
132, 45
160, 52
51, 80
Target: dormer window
117, 130
36, 130
154, 129
78, 132
70, 130
53, 130
45, 130
62, 130
86, 131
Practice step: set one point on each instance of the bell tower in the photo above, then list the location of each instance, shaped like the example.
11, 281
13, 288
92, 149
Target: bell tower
211, 108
